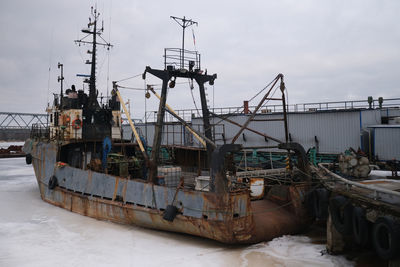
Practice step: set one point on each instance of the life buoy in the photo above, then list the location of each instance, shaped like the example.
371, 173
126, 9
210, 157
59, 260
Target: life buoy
67, 120
341, 214
319, 203
386, 238
77, 124
53, 182
360, 227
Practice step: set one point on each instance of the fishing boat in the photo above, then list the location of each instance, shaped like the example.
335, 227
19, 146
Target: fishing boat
83, 164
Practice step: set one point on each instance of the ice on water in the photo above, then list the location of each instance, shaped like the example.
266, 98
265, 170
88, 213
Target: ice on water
35, 233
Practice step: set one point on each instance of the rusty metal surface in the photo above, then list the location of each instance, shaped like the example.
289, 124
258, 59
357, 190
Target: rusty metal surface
271, 220
228, 218
361, 196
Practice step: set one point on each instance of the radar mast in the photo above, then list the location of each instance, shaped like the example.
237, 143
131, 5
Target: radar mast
93, 31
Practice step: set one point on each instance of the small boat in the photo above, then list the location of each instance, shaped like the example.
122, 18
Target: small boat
83, 164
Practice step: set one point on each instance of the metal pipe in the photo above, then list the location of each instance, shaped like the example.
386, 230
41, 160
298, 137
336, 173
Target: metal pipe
259, 147
369, 187
282, 87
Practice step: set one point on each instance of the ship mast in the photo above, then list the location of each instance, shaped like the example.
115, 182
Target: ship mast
184, 23
189, 68
92, 83
92, 30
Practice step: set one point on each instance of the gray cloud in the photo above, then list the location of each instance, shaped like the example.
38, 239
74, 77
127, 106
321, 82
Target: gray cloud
328, 50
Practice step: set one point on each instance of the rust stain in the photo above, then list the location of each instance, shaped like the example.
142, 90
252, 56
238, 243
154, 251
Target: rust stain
229, 217
373, 182
124, 189
115, 188
230, 230
104, 209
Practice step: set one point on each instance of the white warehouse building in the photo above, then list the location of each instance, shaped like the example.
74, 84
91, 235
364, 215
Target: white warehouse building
329, 131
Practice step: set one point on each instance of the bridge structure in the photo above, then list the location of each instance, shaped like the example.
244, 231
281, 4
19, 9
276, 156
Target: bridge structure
13, 120
16, 126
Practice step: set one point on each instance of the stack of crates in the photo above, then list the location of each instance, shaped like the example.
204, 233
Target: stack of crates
172, 175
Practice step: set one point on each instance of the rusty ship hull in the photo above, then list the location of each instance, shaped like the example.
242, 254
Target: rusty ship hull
230, 218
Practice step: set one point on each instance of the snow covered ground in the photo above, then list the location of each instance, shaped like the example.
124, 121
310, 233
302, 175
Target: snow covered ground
380, 174
34, 233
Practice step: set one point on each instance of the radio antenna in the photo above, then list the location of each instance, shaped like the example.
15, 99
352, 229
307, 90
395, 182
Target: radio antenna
184, 23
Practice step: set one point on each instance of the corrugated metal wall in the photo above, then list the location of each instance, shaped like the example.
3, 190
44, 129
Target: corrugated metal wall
392, 112
371, 117
386, 142
335, 131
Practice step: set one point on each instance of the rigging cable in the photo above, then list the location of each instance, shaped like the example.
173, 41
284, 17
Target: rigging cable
213, 97
223, 117
263, 89
50, 59
109, 40
194, 101
135, 88
287, 105
145, 110
131, 77
101, 65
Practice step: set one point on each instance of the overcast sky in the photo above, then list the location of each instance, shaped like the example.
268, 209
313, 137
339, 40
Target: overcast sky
327, 50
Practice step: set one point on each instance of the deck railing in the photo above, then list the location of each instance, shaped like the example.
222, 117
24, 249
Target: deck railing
189, 114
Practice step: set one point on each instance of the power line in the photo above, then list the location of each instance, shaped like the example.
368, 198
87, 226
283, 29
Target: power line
131, 77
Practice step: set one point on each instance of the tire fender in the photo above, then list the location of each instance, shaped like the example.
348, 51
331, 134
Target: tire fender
53, 182
386, 238
341, 212
361, 227
320, 201
28, 158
